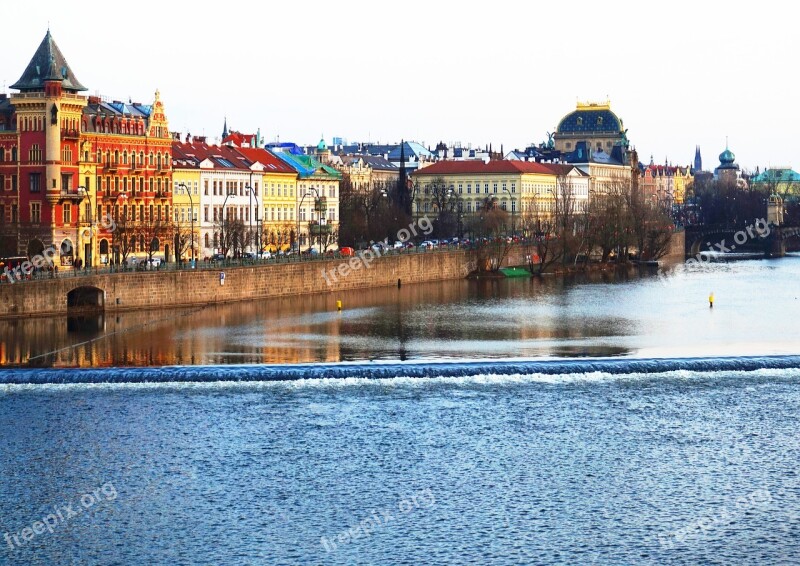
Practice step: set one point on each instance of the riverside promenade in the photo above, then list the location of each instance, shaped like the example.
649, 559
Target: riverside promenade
166, 288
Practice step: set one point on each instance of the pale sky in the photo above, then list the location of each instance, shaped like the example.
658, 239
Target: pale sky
677, 73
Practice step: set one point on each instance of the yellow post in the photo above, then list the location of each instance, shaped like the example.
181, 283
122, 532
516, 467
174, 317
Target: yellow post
711, 300
338, 305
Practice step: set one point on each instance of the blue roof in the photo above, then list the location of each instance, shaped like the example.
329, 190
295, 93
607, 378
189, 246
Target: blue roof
589, 121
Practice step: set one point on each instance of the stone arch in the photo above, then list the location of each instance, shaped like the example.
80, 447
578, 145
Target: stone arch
85, 298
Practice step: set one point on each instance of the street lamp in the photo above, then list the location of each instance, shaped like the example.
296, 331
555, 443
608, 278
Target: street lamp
123, 196
88, 257
253, 192
298, 214
191, 216
222, 225
513, 226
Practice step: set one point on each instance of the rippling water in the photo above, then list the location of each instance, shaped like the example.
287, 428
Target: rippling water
543, 469
498, 453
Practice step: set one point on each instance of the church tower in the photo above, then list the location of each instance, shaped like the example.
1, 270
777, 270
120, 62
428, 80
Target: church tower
698, 161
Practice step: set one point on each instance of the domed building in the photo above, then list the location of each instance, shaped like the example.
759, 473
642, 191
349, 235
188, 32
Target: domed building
728, 171
592, 123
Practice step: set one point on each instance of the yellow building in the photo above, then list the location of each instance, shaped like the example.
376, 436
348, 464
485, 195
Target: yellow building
185, 203
278, 198
522, 188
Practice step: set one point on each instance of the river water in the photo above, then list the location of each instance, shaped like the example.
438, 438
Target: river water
617, 420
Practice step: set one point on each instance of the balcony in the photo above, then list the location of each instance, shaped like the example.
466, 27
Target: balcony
71, 194
70, 134
111, 165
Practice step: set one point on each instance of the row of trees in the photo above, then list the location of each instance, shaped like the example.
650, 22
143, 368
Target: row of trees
560, 229
723, 202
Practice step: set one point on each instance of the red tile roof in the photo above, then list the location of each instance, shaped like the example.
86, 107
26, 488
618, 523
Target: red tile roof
270, 162
477, 167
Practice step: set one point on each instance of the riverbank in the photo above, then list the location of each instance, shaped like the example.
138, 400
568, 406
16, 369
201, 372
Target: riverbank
115, 292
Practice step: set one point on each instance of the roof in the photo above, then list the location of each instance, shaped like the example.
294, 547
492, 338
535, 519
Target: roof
482, 168
271, 163
48, 63
590, 118
374, 162
192, 155
306, 166
239, 139
777, 175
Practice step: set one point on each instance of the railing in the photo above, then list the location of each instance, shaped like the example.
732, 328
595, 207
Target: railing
211, 265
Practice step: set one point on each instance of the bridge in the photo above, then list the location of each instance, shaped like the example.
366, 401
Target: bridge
758, 237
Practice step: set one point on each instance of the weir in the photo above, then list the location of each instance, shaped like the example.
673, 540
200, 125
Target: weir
257, 373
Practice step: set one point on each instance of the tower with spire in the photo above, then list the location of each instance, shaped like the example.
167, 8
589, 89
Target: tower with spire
225, 129
698, 161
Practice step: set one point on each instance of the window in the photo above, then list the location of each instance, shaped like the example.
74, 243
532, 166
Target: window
35, 154
66, 183
205, 191
469, 188
36, 212
460, 188
205, 219
513, 187
486, 188
36, 182
67, 212
494, 188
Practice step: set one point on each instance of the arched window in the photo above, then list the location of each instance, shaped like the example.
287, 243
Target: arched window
206, 239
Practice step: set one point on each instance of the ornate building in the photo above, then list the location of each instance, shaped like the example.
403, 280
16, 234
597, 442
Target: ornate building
592, 123
728, 170
79, 174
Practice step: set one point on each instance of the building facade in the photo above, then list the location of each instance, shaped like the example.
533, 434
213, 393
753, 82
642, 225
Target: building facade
80, 175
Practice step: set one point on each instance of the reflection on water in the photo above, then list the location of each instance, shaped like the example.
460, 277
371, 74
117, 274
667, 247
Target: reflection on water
604, 314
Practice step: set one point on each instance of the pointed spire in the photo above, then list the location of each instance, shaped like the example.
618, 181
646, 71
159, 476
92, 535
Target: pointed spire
404, 198
225, 129
48, 63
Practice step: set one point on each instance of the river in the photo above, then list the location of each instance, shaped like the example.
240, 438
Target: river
615, 419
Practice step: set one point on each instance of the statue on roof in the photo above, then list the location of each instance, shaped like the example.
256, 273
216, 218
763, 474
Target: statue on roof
624, 141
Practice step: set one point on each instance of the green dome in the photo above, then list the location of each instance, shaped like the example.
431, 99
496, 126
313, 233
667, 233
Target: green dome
321, 146
727, 157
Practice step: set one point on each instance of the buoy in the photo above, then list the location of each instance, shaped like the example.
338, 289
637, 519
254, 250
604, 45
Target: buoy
711, 300
338, 305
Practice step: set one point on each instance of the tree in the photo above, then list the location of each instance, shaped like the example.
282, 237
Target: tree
492, 244
445, 203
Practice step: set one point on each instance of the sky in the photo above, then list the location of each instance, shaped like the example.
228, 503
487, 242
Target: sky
679, 74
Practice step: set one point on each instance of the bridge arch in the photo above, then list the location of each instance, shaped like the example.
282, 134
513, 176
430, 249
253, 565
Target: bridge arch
86, 298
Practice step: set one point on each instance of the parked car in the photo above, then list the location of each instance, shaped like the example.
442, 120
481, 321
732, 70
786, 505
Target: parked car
347, 251
249, 255
265, 255
154, 263
218, 257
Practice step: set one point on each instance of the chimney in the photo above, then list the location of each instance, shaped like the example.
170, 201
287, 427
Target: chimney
188, 137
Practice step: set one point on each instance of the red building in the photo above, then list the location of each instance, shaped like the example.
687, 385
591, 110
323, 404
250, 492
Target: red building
79, 175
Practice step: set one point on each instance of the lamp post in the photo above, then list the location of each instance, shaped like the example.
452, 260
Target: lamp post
253, 193
222, 226
298, 215
191, 217
513, 226
119, 196
88, 257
